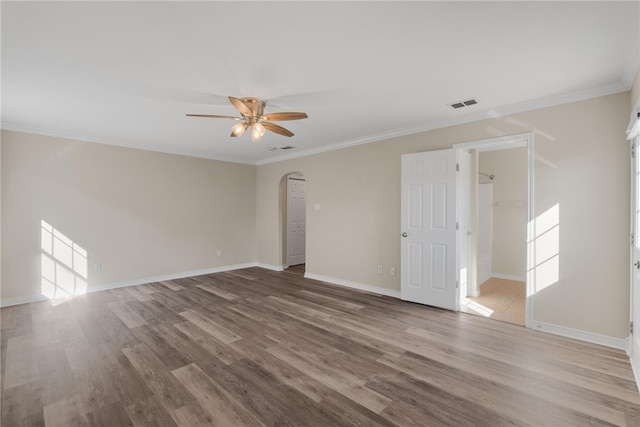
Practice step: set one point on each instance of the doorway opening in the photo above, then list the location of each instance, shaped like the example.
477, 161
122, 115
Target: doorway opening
294, 239
501, 195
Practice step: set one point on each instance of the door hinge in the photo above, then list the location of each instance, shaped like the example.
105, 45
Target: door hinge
457, 284
633, 150
630, 328
457, 226
633, 240
457, 167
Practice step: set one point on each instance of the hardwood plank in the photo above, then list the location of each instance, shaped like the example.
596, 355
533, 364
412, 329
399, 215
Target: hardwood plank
436, 404
168, 390
331, 302
171, 346
138, 293
15, 321
171, 285
222, 408
22, 361
22, 406
211, 327
192, 416
126, 379
259, 347
149, 412
66, 413
289, 375
265, 396
218, 292
110, 415
95, 390
216, 348
128, 316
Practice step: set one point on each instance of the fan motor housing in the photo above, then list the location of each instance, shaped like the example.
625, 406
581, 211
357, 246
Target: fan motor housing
255, 105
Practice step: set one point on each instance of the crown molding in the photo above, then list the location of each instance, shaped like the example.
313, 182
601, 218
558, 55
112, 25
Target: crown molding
467, 118
13, 127
459, 120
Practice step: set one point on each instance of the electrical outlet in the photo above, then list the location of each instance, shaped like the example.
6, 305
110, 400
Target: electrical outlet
97, 266
392, 271
219, 252
379, 269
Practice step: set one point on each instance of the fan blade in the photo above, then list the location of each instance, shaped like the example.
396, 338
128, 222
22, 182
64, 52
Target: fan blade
214, 116
284, 116
240, 106
276, 128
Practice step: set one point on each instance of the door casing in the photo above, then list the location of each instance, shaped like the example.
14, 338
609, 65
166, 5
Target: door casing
513, 141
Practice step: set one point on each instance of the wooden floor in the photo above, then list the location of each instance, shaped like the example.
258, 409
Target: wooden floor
500, 299
255, 347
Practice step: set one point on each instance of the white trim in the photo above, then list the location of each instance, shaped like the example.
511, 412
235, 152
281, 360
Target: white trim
499, 143
459, 120
618, 343
633, 129
636, 374
353, 285
473, 294
270, 266
6, 302
509, 277
13, 127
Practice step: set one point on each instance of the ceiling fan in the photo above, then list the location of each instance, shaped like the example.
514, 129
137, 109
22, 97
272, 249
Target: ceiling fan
252, 110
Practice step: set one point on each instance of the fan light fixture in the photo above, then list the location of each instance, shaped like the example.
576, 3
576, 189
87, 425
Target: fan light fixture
257, 132
252, 110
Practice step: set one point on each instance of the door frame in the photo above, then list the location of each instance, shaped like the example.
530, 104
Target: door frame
513, 141
633, 135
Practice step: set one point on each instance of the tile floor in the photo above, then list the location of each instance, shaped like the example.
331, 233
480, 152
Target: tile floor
499, 299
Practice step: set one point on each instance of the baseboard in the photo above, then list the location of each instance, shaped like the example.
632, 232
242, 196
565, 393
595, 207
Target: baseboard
7, 302
509, 277
635, 369
270, 266
619, 343
353, 285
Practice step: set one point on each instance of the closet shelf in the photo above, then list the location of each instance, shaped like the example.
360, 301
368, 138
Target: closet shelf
511, 203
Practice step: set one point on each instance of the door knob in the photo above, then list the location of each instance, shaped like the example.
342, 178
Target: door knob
405, 235
637, 264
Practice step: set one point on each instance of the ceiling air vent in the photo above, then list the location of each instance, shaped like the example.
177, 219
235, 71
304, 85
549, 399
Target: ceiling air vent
461, 104
286, 147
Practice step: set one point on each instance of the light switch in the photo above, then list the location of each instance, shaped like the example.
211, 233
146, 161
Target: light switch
316, 206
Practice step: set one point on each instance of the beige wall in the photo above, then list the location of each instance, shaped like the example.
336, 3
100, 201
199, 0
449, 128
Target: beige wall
139, 213
509, 230
582, 167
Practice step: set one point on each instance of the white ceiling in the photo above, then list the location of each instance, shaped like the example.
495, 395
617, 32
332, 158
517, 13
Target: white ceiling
125, 73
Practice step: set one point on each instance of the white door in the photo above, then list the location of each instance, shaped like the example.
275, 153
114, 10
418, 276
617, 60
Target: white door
463, 189
635, 255
296, 221
429, 267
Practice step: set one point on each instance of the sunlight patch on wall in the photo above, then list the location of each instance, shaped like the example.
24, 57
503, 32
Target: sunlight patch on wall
546, 246
64, 266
